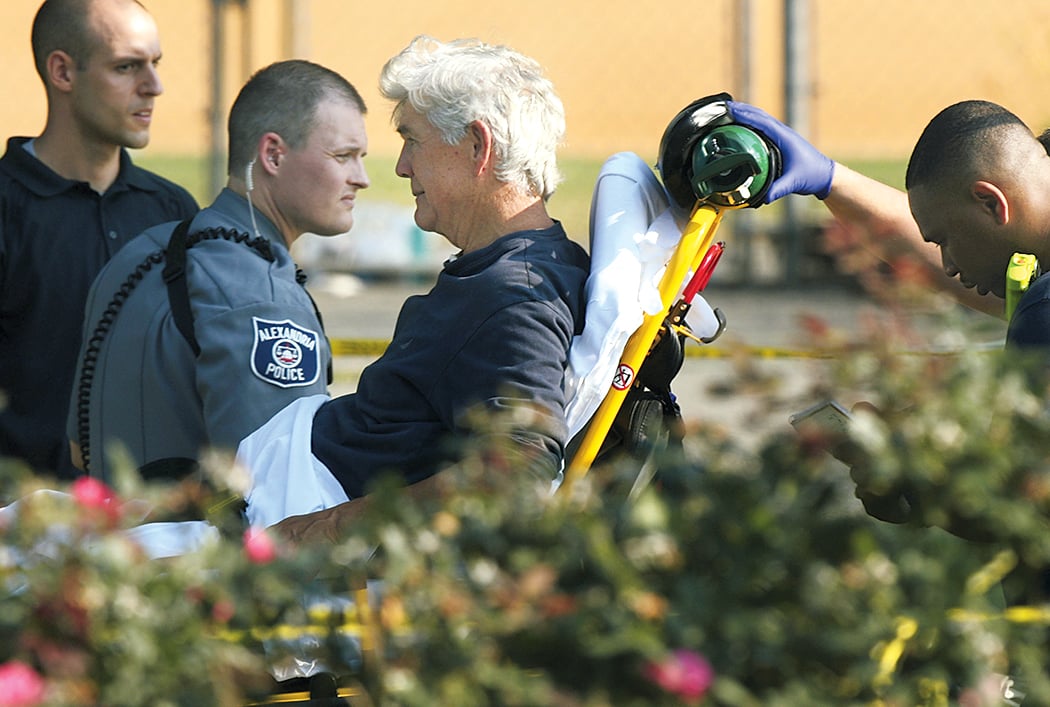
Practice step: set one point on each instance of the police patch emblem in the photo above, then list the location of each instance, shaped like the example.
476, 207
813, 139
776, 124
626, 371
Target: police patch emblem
284, 353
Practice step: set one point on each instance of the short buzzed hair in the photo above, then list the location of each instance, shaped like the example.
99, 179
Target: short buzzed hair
64, 25
283, 98
961, 136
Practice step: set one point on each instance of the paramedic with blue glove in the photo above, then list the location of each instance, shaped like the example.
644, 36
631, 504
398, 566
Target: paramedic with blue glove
878, 213
976, 187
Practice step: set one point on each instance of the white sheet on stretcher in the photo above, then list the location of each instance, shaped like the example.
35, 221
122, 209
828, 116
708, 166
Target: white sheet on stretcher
286, 478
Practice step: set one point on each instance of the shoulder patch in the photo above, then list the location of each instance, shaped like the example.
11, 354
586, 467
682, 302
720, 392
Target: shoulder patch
285, 354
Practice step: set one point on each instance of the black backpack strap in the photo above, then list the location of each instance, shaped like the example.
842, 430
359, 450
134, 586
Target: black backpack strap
174, 275
178, 290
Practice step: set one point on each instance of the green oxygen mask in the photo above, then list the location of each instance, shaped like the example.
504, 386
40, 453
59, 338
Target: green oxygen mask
732, 167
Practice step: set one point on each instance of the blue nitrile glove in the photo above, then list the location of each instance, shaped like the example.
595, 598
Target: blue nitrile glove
804, 169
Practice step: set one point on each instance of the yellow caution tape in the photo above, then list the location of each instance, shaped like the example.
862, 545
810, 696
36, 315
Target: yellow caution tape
890, 653
376, 347
358, 347
992, 573
293, 697
287, 632
1014, 614
321, 619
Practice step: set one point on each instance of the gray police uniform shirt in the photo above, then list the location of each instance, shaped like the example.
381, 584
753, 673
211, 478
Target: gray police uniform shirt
261, 343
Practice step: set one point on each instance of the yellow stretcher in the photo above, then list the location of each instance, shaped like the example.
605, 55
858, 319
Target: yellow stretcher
693, 250
713, 165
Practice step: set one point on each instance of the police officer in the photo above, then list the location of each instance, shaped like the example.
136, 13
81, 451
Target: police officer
165, 385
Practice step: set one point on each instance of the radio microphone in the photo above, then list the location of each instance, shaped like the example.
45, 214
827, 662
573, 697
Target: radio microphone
249, 185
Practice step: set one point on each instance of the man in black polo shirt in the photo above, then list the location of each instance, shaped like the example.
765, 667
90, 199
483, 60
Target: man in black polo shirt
69, 199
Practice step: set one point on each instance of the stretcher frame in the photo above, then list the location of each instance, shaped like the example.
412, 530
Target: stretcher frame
686, 274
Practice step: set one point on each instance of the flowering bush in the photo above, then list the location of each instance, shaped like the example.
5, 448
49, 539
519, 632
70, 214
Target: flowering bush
742, 575
86, 618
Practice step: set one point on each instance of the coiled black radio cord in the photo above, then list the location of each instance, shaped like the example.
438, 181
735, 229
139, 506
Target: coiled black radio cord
93, 346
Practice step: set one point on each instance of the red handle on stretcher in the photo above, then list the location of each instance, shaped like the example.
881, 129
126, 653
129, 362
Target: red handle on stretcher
703, 272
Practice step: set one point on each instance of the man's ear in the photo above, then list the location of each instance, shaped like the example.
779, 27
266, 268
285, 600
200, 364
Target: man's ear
481, 142
60, 68
992, 201
270, 152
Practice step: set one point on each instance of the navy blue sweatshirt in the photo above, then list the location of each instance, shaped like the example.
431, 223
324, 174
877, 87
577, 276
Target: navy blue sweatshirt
493, 332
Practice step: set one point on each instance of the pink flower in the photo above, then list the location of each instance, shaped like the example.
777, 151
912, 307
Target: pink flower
20, 685
95, 496
222, 611
259, 546
92, 493
683, 673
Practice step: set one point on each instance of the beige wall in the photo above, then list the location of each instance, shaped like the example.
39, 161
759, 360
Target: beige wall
623, 67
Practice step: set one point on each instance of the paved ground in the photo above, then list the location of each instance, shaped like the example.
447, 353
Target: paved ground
736, 384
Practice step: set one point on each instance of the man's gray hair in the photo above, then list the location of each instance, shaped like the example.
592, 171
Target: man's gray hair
456, 83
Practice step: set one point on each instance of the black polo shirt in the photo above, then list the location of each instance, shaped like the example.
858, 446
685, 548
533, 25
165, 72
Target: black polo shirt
55, 235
